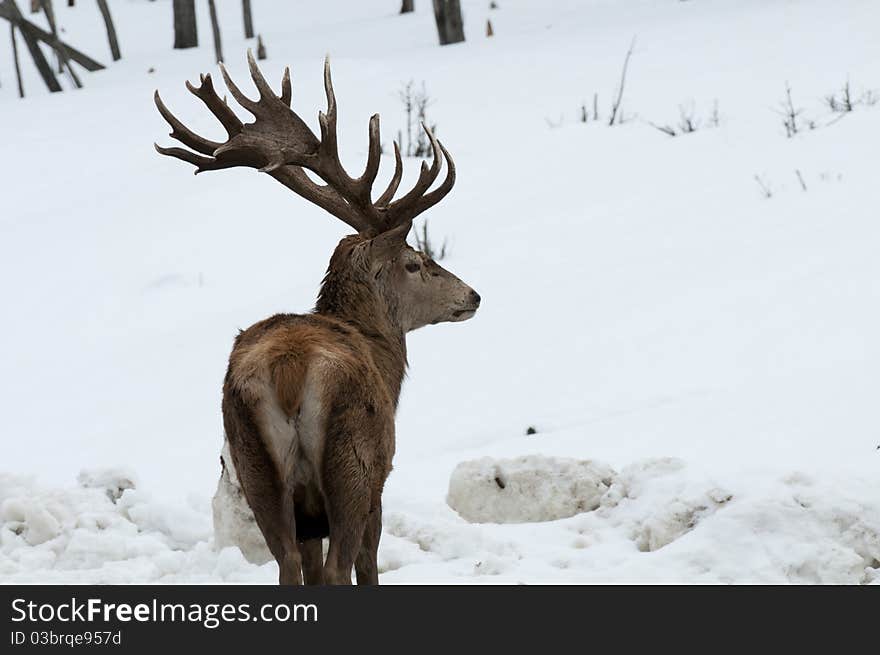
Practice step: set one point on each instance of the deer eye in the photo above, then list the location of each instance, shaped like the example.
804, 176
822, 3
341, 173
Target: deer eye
412, 267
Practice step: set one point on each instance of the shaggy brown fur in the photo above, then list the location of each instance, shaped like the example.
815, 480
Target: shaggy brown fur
309, 403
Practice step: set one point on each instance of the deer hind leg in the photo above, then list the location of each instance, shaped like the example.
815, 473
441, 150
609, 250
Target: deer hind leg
345, 537
366, 565
347, 471
269, 497
348, 509
313, 561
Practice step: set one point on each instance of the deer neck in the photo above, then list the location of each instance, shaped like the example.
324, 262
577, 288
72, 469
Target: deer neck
361, 307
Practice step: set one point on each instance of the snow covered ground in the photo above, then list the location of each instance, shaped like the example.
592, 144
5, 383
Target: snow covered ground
644, 304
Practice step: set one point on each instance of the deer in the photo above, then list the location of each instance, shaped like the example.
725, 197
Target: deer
309, 400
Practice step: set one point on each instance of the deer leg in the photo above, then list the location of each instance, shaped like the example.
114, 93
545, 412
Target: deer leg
290, 569
272, 504
268, 496
348, 508
366, 566
344, 543
277, 526
346, 470
313, 561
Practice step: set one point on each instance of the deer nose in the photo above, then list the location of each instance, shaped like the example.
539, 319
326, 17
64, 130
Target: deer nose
475, 298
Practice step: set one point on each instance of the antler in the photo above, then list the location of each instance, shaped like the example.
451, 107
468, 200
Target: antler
279, 143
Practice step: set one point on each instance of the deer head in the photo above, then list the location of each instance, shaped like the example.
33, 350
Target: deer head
375, 272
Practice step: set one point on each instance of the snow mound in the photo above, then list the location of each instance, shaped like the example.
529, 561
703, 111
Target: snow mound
114, 481
683, 525
661, 502
527, 489
29, 519
234, 522
80, 535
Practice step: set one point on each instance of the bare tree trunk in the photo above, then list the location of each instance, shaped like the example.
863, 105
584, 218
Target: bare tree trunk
15, 57
50, 18
111, 29
12, 13
406, 6
248, 19
79, 57
9, 11
261, 48
41, 63
60, 50
185, 33
450, 26
215, 27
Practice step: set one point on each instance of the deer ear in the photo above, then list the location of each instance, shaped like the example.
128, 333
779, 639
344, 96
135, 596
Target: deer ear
392, 239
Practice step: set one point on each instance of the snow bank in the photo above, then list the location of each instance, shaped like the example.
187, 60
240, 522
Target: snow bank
751, 528
660, 520
529, 488
234, 522
86, 534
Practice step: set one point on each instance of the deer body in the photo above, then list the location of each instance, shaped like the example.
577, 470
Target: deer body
309, 400
307, 392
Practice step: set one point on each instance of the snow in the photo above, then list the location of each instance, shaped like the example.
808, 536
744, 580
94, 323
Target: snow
114, 482
234, 522
527, 489
643, 304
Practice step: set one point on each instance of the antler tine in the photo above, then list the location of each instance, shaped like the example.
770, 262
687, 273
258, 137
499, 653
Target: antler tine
182, 133
328, 91
327, 120
184, 155
438, 158
223, 112
262, 85
240, 97
401, 209
286, 90
430, 199
389, 192
374, 156
201, 163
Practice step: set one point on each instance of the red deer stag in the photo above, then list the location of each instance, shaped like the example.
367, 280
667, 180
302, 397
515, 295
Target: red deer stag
309, 399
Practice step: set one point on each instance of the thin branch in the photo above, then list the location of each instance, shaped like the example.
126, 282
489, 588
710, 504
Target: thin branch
616, 106
15, 58
60, 50
666, 129
215, 28
111, 29
766, 191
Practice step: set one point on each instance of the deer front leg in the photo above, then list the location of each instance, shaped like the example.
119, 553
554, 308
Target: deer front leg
366, 566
